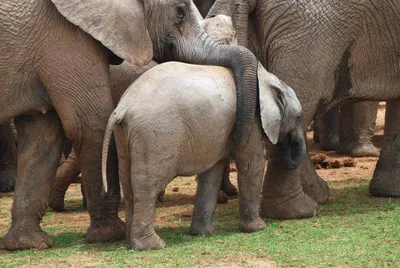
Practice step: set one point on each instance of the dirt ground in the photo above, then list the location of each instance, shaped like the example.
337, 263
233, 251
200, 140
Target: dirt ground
364, 167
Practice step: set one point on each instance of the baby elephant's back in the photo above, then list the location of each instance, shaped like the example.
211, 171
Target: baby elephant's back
193, 109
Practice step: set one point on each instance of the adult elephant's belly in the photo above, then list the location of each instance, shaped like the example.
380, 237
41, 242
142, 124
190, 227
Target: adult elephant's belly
20, 95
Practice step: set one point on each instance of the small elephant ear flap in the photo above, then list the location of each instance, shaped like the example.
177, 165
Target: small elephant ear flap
270, 107
118, 24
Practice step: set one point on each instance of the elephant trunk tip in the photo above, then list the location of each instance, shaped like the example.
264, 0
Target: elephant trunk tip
293, 150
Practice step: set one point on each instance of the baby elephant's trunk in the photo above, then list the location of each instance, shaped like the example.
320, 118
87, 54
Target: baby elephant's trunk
292, 149
115, 118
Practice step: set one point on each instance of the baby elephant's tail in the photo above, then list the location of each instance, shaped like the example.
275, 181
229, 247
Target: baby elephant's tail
115, 118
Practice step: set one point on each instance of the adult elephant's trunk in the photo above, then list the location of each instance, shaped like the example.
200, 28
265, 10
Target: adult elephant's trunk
239, 59
239, 10
292, 149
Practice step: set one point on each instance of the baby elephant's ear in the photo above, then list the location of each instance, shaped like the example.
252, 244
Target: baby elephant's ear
118, 24
271, 107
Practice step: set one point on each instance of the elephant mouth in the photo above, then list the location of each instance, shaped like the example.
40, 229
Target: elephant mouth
292, 150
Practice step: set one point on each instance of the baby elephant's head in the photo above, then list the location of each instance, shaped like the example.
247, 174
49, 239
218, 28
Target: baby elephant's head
280, 112
220, 29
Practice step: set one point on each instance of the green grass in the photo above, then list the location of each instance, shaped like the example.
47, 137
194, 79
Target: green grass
352, 230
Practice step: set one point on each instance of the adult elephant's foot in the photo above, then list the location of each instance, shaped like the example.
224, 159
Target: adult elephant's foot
329, 142
24, 237
151, 242
358, 149
57, 200
364, 149
313, 185
201, 229
386, 179
250, 226
113, 229
298, 206
385, 183
345, 147
283, 196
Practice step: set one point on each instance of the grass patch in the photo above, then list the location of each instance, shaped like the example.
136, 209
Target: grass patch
353, 229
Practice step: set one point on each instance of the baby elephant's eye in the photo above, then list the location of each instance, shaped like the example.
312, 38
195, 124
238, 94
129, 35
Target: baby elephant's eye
181, 11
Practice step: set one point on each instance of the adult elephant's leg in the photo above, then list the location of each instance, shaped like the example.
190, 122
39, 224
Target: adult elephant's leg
346, 135
357, 123
226, 186
8, 159
364, 122
80, 92
328, 127
38, 157
66, 174
312, 184
386, 179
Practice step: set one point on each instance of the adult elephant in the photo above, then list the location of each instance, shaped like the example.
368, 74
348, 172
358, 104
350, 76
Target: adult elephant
8, 159
204, 6
348, 129
55, 73
328, 51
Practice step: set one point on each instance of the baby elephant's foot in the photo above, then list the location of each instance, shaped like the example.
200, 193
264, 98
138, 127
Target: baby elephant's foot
252, 226
23, 238
201, 229
152, 242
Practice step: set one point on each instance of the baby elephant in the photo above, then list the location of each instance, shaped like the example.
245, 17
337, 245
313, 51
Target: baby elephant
176, 120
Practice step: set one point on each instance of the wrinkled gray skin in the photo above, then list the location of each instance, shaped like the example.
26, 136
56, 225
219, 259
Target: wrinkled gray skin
219, 29
328, 51
121, 77
188, 132
56, 76
348, 130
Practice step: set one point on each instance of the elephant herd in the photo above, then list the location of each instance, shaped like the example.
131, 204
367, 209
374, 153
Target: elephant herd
176, 118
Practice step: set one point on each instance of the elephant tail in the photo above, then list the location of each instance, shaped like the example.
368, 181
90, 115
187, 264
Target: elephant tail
115, 118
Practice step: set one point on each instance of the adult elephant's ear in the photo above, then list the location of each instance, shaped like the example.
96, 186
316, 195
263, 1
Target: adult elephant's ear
271, 106
118, 24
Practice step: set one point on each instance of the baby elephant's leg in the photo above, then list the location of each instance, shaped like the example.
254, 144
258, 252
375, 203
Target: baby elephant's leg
145, 187
206, 198
250, 167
